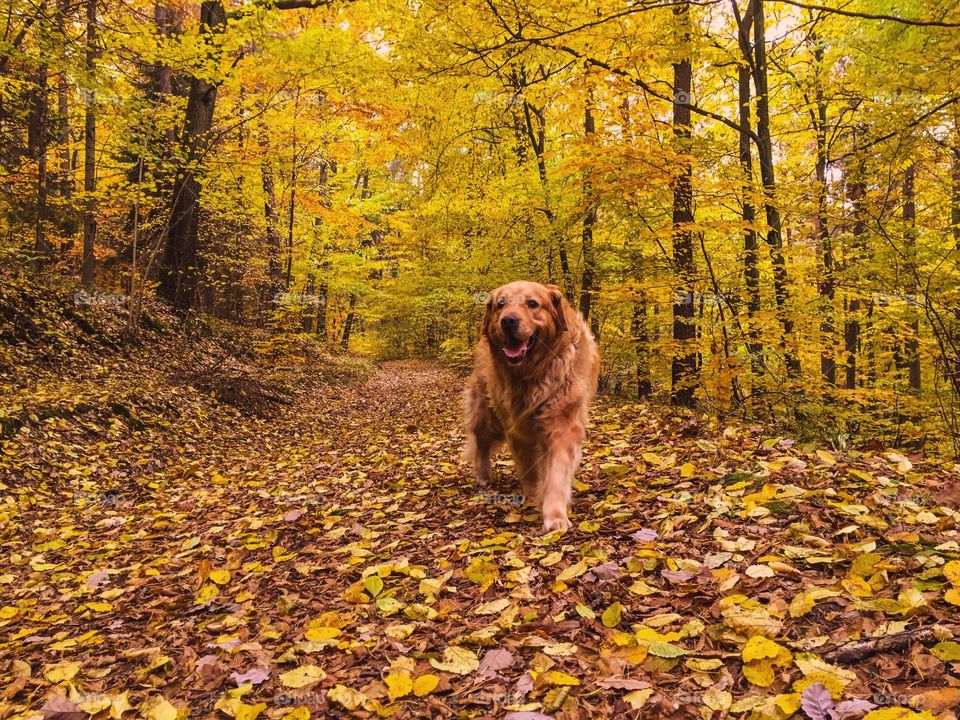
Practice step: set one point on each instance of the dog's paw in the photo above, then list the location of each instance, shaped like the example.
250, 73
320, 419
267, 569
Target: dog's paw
559, 522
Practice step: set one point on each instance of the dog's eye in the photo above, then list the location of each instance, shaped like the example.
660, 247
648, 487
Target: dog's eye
533, 304
501, 302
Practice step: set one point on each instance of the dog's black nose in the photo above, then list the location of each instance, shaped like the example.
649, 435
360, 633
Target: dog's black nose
509, 322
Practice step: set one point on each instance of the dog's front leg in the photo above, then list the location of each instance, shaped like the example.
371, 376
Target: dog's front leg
559, 464
483, 429
525, 468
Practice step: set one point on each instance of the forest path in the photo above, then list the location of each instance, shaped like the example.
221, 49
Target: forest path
337, 557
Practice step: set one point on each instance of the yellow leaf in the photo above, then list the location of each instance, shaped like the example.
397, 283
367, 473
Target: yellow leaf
457, 660
760, 648
704, 664
718, 700
831, 682
831, 676
400, 632
298, 713
952, 596
803, 602
302, 676
482, 572
493, 607
373, 585
951, 571
948, 651
425, 684
99, 606
220, 577
316, 633
249, 712
95, 704
611, 616
789, 703
688, 470
638, 698
897, 713
552, 559
759, 672
61, 671
348, 697
158, 708
205, 594
398, 685
555, 677
119, 705
574, 571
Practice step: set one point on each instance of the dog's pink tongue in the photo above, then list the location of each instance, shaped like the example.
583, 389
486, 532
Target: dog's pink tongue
514, 353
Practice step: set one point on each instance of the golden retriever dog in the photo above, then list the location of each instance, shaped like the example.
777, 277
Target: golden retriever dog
534, 375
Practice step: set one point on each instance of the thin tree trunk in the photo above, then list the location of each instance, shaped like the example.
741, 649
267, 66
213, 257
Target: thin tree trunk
765, 156
826, 287
88, 268
348, 324
955, 192
37, 149
587, 288
65, 170
308, 309
911, 344
641, 340
684, 365
534, 124
272, 221
856, 194
322, 291
290, 217
952, 336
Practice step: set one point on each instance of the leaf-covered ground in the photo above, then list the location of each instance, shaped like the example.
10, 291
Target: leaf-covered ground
335, 559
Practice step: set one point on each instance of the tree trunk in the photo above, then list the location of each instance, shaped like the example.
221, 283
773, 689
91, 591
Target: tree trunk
826, 287
180, 272
308, 310
348, 324
65, 170
684, 365
290, 217
534, 124
322, 291
274, 270
37, 137
641, 340
955, 192
587, 289
765, 156
912, 343
856, 194
751, 267
88, 268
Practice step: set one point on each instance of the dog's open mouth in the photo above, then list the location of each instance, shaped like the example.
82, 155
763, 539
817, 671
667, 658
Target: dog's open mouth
516, 349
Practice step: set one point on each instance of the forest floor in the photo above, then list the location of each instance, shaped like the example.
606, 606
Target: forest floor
333, 558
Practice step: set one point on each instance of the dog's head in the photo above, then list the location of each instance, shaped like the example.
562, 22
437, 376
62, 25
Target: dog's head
523, 323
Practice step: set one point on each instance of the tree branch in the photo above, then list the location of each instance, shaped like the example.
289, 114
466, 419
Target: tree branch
871, 16
279, 5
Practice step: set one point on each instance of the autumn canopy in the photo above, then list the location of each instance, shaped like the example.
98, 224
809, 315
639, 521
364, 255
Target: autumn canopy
245, 253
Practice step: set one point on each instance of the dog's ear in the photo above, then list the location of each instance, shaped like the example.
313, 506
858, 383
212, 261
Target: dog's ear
488, 315
556, 308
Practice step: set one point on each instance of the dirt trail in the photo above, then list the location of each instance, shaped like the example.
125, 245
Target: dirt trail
342, 541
